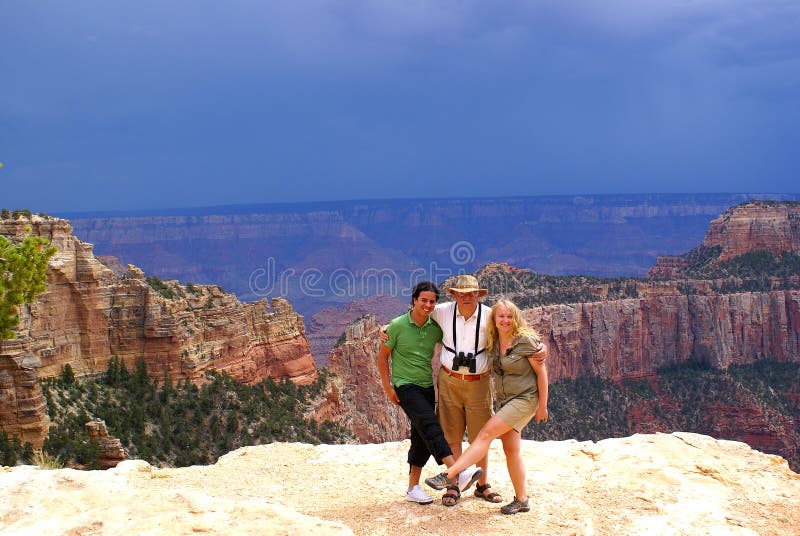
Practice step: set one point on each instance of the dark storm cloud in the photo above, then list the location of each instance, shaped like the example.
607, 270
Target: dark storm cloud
175, 103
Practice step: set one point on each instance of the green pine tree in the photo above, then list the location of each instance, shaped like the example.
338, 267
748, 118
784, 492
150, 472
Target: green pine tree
23, 275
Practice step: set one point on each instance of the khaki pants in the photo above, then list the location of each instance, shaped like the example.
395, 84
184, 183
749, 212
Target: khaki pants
463, 406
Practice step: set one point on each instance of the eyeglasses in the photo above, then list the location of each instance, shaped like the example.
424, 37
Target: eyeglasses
474, 294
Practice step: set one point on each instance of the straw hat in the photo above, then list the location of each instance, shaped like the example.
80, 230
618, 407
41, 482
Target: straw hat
467, 283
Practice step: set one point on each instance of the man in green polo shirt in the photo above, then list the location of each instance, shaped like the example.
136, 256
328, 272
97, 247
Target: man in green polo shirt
409, 384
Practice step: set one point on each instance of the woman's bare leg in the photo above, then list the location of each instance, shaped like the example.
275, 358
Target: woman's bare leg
515, 463
494, 428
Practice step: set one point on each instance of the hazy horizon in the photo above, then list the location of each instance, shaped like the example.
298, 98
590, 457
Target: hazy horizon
240, 208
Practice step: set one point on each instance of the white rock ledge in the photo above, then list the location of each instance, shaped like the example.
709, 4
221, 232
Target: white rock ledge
660, 484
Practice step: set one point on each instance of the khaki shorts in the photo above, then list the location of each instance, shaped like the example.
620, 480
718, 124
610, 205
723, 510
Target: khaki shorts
519, 411
463, 406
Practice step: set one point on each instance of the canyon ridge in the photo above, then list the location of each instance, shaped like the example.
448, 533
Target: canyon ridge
620, 329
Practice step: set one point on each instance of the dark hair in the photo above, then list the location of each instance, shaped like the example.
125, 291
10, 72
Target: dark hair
424, 286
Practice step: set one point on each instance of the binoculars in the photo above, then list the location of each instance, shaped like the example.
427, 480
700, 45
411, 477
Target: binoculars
462, 360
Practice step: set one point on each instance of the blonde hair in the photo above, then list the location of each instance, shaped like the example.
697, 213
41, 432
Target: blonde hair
518, 322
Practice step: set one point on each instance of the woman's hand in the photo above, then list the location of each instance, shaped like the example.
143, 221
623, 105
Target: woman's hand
541, 414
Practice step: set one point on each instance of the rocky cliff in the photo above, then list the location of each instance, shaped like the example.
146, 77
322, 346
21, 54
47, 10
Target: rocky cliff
110, 449
320, 254
89, 314
644, 484
755, 226
632, 338
327, 326
358, 401
628, 329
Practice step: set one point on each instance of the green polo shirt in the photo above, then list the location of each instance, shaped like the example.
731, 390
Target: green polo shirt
412, 350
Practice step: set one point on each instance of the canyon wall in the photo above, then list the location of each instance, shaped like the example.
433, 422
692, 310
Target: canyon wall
668, 323
755, 226
328, 326
320, 254
358, 401
677, 320
765, 226
613, 339
89, 315
628, 339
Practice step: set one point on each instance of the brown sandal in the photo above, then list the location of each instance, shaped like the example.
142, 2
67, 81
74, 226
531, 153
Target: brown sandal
452, 496
492, 496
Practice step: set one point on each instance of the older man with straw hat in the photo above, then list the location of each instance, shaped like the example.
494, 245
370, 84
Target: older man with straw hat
464, 385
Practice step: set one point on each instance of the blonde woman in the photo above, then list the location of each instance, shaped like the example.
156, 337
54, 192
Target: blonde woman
515, 351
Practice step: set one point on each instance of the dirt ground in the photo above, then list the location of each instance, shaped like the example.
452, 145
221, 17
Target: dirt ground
658, 484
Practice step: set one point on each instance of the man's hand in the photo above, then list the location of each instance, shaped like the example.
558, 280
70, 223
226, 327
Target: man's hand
382, 334
541, 356
383, 369
392, 396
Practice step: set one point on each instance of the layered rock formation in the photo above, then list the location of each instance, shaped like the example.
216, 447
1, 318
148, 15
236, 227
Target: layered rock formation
358, 401
627, 339
327, 326
644, 484
110, 448
89, 315
319, 254
754, 226
22, 407
668, 267
662, 323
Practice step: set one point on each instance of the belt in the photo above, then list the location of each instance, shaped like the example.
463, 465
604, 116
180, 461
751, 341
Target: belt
466, 377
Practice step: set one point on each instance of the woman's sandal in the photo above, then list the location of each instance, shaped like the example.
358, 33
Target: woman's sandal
492, 496
451, 497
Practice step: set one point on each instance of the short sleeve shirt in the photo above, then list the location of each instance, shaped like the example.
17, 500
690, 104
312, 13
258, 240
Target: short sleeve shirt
412, 350
465, 334
513, 375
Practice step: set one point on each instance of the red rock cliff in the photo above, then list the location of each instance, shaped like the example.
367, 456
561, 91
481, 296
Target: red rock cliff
756, 226
615, 339
357, 400
667, 323
770, 226
327, 325
89, 315
633, 338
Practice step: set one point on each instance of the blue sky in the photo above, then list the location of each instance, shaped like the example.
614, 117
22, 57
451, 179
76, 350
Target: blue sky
124, 105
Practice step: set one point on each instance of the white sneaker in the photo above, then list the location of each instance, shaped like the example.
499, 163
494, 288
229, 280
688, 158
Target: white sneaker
418, 495
468, 477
